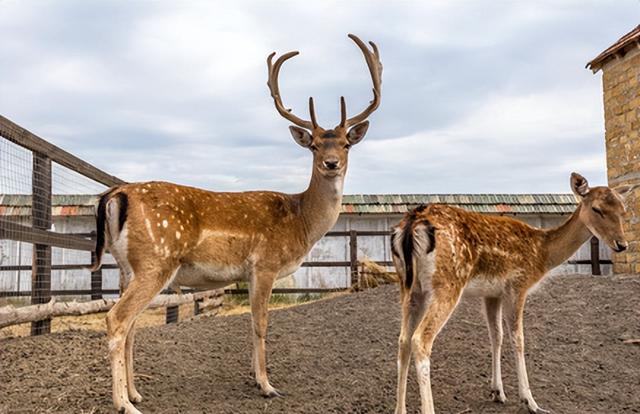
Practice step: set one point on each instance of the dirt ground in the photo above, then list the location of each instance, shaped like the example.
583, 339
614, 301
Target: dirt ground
338, 356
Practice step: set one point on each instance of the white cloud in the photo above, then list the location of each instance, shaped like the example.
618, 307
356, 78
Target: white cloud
477, 96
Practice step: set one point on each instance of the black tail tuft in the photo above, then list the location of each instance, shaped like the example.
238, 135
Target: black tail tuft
101, 222
101, 219
408, 242
123, 205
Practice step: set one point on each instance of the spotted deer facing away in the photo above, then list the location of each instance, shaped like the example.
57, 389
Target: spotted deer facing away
442, 253
164, 234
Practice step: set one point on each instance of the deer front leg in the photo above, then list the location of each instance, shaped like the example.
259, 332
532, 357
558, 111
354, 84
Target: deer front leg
413, 304
493, 312
440, 308
515, 310
259, 293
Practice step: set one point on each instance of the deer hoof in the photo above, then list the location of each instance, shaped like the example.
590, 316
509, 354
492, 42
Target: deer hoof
498, 396
135, 397
534, 409
273, 393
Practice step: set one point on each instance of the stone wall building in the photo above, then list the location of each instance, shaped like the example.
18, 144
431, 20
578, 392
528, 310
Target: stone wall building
620, 65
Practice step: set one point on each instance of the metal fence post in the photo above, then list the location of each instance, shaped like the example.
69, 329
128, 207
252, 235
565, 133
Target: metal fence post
353, 253
595, 256
41, 219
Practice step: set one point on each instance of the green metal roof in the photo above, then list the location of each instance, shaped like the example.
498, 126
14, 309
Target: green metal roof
481, 203
554, 204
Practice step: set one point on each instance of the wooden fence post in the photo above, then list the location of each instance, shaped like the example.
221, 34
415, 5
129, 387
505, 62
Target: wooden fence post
353, 259
96, 280
595, 256
41, 219
172, 314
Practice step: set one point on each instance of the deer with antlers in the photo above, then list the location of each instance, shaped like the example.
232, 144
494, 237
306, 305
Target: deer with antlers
164, 234
442, 253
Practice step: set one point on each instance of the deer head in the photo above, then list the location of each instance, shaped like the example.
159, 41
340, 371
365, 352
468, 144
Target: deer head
330, 147
602, 211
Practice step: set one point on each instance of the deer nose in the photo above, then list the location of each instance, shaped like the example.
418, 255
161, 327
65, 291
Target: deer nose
331, 163
621, 246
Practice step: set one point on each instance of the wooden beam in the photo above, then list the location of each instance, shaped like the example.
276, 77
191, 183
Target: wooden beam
595, 256
353, 257
18, 232
11, 315
15, 133
41, 220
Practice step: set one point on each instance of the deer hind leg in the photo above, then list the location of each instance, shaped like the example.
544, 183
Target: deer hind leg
134, 395
440, 308
493, 312
514, 309
260, 287
413, 304
140, 292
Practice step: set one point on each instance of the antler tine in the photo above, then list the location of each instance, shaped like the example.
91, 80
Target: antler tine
343, 112
274, 88
375, 70
312, 112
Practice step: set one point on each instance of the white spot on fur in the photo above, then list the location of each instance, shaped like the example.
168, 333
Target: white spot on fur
165, 223
147, 224
144, 190
161, 240
158, 215
178, 235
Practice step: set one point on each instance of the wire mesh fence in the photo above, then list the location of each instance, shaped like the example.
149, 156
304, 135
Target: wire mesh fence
47, 199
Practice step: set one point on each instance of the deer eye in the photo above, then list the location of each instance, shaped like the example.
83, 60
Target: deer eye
597, 210
313, 148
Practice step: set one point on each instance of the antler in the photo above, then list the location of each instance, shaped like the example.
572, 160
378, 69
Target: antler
272, 83
375, 69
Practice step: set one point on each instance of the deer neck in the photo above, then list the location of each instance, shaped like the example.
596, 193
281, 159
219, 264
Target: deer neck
563, 241
320, 205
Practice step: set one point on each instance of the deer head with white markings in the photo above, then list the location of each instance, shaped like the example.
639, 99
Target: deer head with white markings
330, 147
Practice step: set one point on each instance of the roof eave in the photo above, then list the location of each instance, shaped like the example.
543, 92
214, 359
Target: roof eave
618, 50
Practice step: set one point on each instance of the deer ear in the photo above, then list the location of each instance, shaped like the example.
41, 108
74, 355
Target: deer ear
356, 133
625, 190
301, 136
579, 185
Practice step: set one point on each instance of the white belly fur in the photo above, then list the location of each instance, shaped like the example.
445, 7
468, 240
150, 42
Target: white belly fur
209, 275
481, 287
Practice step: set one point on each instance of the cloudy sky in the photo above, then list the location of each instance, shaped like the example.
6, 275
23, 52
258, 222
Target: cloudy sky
478, 96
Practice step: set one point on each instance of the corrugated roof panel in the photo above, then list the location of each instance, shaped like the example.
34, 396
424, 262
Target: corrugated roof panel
20, 204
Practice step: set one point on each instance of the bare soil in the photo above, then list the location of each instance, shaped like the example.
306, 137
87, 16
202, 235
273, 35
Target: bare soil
339, 356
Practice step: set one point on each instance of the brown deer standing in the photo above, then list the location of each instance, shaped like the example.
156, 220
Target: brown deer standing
442, 253
164, 234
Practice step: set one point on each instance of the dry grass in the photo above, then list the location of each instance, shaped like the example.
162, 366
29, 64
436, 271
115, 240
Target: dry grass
373, 275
